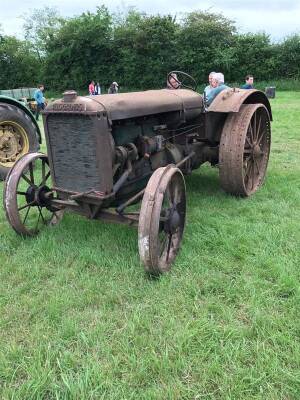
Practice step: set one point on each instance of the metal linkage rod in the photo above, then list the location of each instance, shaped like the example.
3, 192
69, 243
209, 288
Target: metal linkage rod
130, 201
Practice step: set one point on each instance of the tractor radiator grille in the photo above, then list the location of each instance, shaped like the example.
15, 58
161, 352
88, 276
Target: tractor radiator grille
72, 140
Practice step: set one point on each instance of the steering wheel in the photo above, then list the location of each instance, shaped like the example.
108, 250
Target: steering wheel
179, 77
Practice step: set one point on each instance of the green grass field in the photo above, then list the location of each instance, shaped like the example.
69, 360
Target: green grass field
79, 319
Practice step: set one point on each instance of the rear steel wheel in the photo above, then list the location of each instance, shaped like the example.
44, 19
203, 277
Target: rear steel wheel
18, 136
162, 219
244, 150
13, 143
28, 197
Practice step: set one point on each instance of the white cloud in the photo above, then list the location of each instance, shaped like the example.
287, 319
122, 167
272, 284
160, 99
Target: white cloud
279, 18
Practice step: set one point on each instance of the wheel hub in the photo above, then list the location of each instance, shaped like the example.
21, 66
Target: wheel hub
39, 196
30, 194
172, 222
257, 151
44, 196
9, 146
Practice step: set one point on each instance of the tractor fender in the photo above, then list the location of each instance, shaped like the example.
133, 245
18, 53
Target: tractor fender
10, 100
230, 100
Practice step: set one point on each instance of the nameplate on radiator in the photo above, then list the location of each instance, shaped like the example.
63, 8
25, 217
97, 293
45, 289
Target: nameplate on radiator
77, 107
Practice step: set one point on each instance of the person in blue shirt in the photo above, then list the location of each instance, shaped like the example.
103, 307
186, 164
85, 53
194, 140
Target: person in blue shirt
248, 82
208, 87
217, 84
40, 100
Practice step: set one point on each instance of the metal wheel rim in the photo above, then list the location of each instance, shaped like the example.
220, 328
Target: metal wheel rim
13, 142
156, 253
256, 150
243, 163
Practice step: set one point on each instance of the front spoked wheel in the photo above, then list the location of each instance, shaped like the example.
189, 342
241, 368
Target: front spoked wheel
28, 195
162, 219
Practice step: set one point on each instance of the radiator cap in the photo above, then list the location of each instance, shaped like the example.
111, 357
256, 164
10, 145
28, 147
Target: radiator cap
69, 95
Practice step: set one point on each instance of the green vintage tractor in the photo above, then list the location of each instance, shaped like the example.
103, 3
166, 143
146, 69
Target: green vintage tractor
19, 131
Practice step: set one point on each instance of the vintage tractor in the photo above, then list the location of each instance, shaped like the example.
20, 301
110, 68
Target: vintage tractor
108, 152
19, 131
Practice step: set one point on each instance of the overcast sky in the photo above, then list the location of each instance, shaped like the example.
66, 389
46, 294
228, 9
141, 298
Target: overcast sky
279, 18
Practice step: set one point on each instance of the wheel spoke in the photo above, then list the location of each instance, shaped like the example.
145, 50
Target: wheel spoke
31, 173
257, 167
38, 220
248, 146
26, 205
247, 173
169, 246
254, 128
26, 179
45, 179
43, 170
180, 207
26, 215
251, 134
169, 196
176, 194
261, 137
41, 214
258, 129
252, 176
163, 244
248, 167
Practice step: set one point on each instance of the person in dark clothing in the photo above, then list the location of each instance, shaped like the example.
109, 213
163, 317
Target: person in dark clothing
97, 88
248, 82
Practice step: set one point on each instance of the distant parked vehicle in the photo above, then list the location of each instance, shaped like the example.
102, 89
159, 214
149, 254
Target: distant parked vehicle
24, 95
19, 131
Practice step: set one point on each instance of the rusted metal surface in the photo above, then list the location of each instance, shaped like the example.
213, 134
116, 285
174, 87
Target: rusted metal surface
244, 150
136, 104
85, 137
131, 105
126, 219
230, 100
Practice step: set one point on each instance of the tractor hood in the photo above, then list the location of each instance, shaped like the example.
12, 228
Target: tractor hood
131, 105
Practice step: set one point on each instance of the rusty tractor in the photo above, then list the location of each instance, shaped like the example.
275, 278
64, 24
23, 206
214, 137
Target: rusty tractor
108, 154
19, 131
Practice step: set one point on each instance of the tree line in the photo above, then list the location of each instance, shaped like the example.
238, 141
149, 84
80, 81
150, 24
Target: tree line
137, 50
